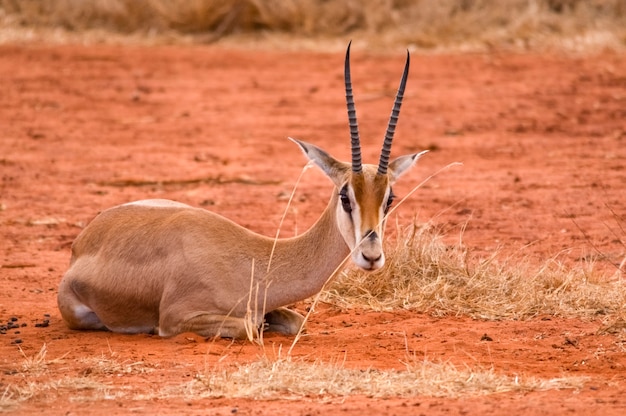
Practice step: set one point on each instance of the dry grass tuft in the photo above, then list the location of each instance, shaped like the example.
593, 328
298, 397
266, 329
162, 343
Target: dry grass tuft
423, 273
110, 365
287, 378
43, 379
426, 24
37, 364
267, 379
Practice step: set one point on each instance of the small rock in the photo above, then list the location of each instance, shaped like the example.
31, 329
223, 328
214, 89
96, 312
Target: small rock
486, 337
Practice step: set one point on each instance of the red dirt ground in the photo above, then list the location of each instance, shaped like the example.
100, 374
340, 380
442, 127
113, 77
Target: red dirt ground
542, 139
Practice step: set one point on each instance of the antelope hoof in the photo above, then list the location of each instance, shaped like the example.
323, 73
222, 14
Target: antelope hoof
284, 321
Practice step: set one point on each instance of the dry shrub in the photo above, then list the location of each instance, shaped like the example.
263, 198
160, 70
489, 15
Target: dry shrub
524, 23
189, 16
423, 273
424, 23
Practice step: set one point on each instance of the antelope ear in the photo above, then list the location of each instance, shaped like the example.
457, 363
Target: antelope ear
333, 168
402, 165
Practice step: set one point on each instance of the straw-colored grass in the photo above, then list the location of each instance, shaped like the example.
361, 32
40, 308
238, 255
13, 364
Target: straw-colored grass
288, 378
426, 24
423, 273
87, 379
265, 379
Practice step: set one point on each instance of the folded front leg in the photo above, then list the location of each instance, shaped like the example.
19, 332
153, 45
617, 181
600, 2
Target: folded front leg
210, 325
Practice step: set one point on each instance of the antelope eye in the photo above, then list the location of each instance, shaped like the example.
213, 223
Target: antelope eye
345, 201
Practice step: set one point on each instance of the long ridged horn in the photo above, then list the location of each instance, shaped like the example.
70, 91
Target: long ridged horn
354, 128
393, 120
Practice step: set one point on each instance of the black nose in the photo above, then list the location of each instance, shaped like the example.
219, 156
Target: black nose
371, 260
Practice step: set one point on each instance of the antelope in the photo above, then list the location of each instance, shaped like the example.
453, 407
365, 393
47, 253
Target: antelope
163, 267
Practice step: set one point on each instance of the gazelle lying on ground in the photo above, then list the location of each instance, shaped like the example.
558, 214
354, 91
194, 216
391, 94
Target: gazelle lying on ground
159, 266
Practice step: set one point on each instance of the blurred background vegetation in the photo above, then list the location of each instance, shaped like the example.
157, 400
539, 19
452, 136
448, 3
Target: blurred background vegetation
427, 24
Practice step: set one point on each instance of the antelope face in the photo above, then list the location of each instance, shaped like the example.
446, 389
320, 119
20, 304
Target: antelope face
364, 191
363, 200
363, 203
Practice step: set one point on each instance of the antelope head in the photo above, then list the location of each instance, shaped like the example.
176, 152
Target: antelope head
364, 191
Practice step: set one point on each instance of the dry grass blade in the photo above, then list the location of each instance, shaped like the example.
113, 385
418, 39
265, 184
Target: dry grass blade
423, 273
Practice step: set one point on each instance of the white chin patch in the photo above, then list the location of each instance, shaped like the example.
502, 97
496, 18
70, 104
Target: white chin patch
361, 262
